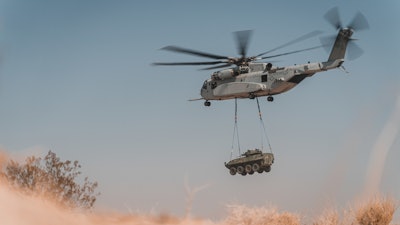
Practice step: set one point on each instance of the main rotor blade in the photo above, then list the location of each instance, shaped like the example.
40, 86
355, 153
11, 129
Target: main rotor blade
332, 16
327, 42
292, 52
193, 52
242, 41
301, 38
359, 22
217, 67
186, 63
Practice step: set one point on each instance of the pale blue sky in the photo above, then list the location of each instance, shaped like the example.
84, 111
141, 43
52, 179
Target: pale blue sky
75, 77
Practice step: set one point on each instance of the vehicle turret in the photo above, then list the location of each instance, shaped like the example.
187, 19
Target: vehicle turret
252, 152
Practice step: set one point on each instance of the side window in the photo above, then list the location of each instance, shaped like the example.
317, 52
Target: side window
213, 85
264, 78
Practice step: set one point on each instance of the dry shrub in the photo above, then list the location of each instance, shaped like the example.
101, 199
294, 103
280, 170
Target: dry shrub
3, 160
377, 211
52, 178
328, 217
244, 215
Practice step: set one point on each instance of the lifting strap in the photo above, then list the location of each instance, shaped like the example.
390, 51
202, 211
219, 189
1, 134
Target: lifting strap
235, 131
263, 127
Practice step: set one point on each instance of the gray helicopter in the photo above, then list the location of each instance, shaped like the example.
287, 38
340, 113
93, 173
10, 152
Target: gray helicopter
251, 79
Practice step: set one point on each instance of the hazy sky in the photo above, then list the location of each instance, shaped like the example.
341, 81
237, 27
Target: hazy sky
75, 77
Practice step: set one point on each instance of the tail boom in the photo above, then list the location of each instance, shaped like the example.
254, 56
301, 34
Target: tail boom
339, 48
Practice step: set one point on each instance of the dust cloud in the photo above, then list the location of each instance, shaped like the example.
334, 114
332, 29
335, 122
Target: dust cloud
19, 209
380, 150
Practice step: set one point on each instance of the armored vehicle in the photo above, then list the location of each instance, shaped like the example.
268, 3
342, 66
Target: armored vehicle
251, 161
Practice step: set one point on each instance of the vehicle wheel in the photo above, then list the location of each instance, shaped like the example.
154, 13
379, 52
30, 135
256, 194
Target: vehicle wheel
247, 168
260, 170
232, 171
240, 169
251, 173
267, 169
244, 174
270, 98
256, 167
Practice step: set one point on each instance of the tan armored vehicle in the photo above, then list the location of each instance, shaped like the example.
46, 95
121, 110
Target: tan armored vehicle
251, 161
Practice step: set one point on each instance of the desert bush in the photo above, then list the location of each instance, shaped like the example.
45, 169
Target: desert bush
244, 215
53, 178
377, 211
328, 217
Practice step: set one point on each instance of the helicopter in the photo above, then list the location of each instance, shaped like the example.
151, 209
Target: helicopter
250, 79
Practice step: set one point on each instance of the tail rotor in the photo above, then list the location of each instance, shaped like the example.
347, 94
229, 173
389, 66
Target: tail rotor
358, 23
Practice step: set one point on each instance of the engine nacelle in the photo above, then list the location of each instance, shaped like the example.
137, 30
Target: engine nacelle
223, 74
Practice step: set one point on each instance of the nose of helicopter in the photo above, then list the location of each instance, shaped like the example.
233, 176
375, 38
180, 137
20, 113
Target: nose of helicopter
206, 90
203, 92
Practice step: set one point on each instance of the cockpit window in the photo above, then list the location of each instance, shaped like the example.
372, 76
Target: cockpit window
205, 85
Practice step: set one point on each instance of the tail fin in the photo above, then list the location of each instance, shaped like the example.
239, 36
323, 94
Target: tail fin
339, 48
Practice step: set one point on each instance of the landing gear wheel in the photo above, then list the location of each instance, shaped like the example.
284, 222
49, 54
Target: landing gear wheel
270, 98
252, 96
248, 168
207, 103
232, 171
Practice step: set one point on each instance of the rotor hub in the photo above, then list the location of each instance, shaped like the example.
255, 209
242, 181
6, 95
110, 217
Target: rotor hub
347, 32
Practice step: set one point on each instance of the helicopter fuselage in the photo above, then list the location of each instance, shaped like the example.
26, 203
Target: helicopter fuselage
259, 79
